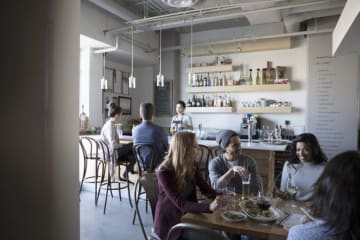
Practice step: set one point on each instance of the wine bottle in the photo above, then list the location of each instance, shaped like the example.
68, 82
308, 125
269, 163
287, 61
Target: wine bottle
203, 101
193, 101
258, 76
250, 81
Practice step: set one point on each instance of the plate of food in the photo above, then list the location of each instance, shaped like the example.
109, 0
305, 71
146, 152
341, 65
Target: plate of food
233, 216
253, 211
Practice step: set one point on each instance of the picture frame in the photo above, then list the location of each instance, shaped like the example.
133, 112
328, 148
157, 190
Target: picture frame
125, 83
118, 81
125, 104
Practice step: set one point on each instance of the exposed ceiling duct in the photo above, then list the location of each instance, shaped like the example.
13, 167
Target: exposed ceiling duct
292, 22
116, 9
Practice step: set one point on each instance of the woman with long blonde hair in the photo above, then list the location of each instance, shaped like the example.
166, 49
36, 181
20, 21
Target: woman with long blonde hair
178, 177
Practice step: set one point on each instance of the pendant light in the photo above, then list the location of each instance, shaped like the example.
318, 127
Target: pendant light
132, 79
191, 75
160, 76
103, 79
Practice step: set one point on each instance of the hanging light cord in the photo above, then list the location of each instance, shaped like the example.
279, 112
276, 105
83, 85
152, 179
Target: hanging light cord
160, 48
191, 30
132, 51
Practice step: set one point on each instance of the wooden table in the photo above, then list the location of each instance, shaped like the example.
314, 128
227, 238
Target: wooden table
248, 227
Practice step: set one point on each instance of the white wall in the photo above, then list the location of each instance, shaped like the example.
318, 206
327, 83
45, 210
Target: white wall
296, 61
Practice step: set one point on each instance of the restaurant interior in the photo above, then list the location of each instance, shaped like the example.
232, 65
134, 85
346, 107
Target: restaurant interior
265, 82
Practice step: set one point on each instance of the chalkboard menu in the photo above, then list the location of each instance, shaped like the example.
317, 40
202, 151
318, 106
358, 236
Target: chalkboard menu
163, 99
333, 97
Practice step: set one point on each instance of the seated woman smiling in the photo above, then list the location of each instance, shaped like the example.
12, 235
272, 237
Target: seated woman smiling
178, 177
307, 162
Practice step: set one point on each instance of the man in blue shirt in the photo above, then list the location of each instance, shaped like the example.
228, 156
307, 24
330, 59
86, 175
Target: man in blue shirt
149, 133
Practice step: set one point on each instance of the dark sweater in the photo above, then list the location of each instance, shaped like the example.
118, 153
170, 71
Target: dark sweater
172, 205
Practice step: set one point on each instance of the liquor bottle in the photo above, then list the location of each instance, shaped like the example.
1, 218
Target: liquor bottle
193, 101
269, 74
203, 101
198, 102
250, 80
221, 79
208, 79
224, 79
188, 103
205, 82
84, 120
258, 76
197, 81
201, 83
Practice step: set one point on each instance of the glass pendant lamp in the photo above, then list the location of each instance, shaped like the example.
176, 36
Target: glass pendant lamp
132, 79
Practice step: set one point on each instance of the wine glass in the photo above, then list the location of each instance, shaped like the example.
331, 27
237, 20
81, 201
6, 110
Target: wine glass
291, 188
269, 133
263, 202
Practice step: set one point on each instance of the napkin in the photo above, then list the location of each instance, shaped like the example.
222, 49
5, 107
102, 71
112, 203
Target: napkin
292, 220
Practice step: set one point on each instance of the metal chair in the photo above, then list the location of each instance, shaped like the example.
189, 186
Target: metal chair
149, 183
189, 231
143, 169
111, 163
90, 150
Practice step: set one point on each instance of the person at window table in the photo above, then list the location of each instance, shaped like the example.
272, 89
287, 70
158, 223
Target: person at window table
336, 202
307, 162
110, 137
181, 121
228, 168
149, 133
178, 177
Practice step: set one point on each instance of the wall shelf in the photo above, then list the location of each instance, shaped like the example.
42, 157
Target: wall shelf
209, 109
241, 88
265, 110
216, 68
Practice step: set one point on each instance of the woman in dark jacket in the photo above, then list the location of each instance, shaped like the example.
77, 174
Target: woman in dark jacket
178, 177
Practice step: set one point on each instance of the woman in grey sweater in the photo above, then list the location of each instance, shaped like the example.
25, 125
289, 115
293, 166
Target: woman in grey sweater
228, 169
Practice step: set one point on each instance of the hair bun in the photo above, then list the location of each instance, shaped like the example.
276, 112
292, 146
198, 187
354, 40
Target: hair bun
111, 105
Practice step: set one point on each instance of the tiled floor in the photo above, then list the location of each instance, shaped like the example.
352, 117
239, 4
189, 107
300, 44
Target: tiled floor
116, 223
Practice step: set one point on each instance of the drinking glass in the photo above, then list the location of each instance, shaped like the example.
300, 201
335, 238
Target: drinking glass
245, 180
269, 133
291, 188
263, 201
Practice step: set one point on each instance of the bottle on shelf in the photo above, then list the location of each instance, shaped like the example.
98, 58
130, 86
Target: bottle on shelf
201, 81
250, 80
193, 101
188, 103
221, 80
84, 120
258, 82
197, 81
203, 101
269, 74
208, 80
224, 79
205, 81
216, 80
198, 102
212, 80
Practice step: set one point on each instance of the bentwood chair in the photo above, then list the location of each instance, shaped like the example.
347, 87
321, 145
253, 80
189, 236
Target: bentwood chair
90, 150
149, 183
189, 231
110, 165
141, 151
202, 161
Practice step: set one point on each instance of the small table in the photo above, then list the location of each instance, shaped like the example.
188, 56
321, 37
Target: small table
248, 227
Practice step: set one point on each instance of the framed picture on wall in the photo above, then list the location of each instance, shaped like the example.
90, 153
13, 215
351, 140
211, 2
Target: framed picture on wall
117, 81
125, 104
125, 83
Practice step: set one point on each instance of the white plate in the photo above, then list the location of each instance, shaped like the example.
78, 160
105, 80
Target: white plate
275, 214
239, 216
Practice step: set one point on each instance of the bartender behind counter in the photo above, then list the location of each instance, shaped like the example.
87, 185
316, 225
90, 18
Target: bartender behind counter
181, 121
